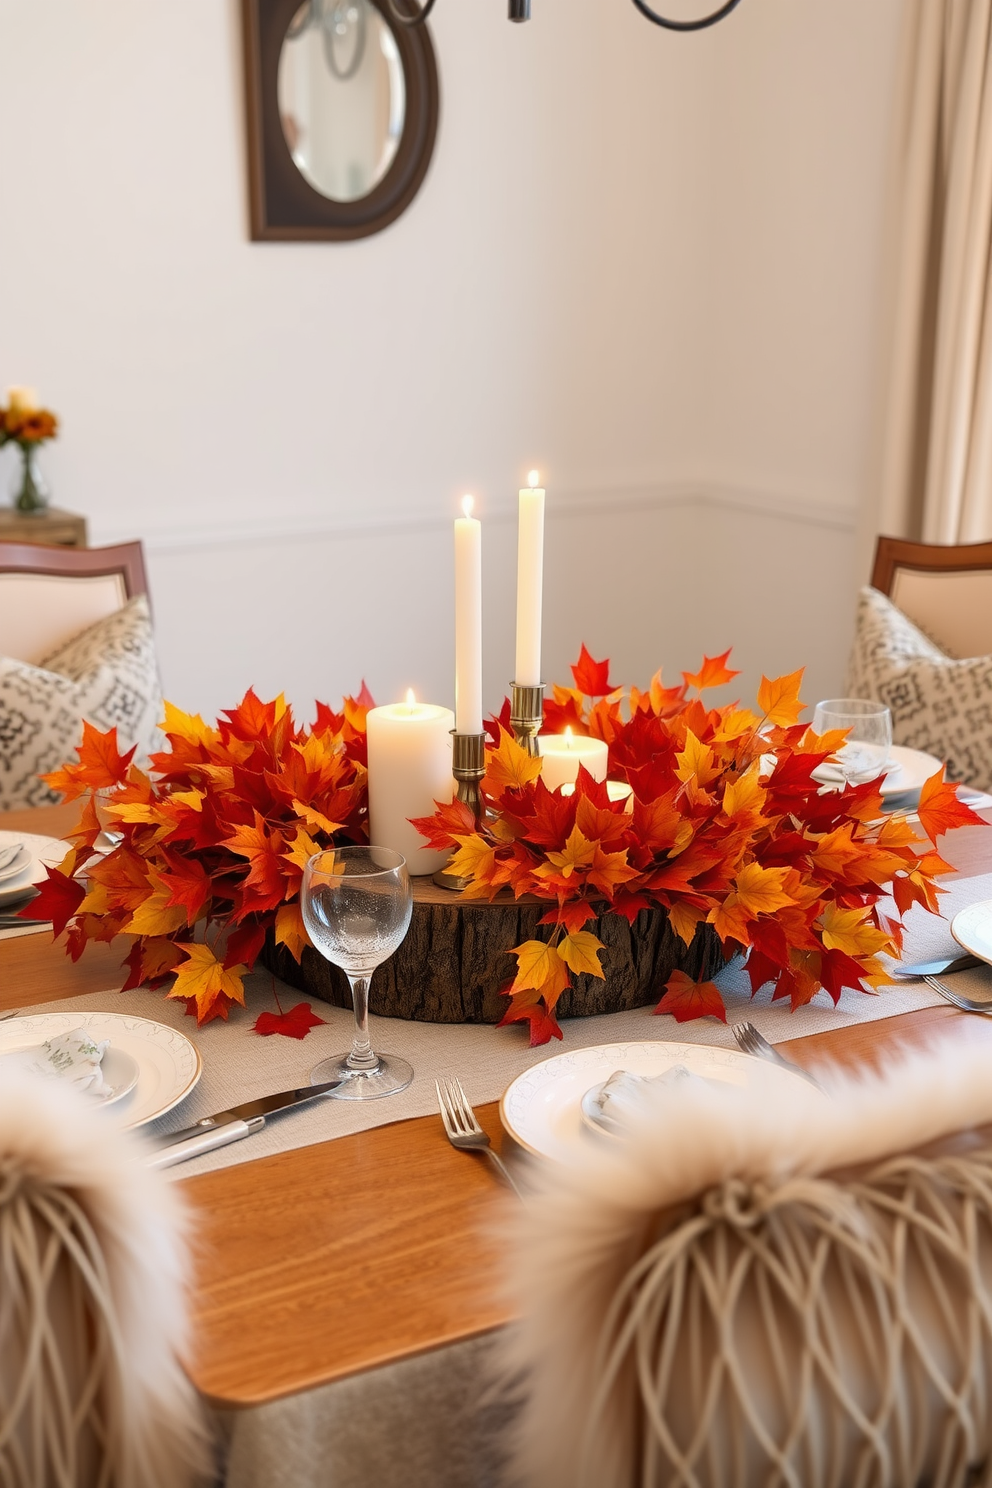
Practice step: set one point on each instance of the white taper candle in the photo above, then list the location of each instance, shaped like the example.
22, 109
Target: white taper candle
530, 583
468, 622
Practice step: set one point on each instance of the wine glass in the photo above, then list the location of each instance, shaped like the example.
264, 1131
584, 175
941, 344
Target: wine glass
356, 904
865, 752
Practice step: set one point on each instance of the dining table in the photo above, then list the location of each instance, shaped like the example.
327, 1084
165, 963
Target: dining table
354, 1273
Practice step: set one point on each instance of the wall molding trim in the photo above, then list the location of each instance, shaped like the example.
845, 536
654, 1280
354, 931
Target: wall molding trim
567, 505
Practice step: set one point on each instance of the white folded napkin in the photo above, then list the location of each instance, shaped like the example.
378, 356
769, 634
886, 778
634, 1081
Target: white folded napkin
622, 1092
72, 1056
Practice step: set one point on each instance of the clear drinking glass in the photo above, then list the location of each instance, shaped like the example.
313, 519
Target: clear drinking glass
865, 752
356, 904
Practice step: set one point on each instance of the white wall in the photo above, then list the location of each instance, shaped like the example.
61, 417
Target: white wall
650, 264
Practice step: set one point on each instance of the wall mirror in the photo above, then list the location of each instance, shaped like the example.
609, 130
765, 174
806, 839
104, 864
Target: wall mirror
342, 115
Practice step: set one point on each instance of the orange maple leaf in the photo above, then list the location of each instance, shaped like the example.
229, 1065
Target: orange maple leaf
290, 930
209, 982
940, 810
714, 672
779, 699
101, 765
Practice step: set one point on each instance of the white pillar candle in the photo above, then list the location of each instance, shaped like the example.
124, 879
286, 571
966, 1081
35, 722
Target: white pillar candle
409, 769
562, 754
468, 622
22, 399
530, 583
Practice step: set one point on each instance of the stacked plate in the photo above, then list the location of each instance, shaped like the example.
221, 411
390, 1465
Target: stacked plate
23, 859
905, 774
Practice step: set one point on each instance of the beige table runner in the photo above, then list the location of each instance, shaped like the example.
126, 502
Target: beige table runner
239, 1065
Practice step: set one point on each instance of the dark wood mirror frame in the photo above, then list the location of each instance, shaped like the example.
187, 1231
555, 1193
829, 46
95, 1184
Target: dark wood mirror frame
284, 206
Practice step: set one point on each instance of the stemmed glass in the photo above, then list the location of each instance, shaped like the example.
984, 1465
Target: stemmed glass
356, 904
865, 752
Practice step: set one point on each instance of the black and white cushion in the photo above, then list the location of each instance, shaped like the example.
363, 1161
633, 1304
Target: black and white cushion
108, 675
938, 704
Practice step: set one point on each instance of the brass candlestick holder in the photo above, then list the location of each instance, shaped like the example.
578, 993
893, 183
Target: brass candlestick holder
526, 715
468, 765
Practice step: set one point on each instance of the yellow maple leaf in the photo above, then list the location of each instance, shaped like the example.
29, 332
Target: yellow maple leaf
539, 967
778, 699
580, 952
696, 761
850, 931
134, 811
508, 766
290, 929
302, 849
155, 915
745, 794
736, 723
761, 890
206, 979
474, 858
188, 726
578, 852
316, 819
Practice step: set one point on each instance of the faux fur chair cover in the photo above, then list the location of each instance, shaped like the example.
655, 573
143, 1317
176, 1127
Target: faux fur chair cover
766, 1289
92, 1311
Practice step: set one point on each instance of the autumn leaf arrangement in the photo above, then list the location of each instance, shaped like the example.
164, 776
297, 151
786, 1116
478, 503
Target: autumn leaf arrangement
726, 831
213, 846
729, 834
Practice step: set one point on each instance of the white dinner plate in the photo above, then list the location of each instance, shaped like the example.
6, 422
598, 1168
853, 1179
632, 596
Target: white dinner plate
168, 1064
906, 771
542, 1109
972, 929
17, 864
42, 852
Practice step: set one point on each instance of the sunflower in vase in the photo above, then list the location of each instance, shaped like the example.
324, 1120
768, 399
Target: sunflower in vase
28, 426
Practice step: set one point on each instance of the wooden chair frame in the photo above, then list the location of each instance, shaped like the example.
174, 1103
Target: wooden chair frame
893, 553
125, 559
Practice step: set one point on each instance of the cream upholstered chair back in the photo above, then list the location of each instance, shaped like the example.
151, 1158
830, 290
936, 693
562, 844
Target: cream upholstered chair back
48, 595
92, 1303
945, 591
759, 1287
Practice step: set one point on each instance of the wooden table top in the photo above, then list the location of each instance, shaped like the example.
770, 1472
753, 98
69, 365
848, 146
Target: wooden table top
336, 1258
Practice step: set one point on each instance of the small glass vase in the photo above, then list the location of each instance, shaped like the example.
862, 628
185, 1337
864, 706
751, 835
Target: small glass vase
29, 488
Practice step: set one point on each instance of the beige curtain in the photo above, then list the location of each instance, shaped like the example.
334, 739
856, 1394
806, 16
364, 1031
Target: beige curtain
937, 462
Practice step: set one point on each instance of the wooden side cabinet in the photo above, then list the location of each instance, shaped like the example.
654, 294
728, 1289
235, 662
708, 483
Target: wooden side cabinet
54, 528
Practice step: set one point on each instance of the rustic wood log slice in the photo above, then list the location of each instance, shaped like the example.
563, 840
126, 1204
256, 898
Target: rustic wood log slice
455, 959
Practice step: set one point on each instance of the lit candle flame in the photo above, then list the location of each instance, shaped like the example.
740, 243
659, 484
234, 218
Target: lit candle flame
468, 502
411, 698
568, 738
534, 479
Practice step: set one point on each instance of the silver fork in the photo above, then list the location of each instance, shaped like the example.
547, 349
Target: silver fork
462, 1128
750, 1041
957, 999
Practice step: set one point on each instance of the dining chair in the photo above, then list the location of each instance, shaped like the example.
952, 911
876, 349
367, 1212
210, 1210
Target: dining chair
758, 1285
93, 1263
945, 591
48, 594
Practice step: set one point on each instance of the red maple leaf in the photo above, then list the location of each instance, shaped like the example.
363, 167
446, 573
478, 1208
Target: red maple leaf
57, 900
297, 1023
245, 942
592, 678
543, 1026
451, 819
686, 999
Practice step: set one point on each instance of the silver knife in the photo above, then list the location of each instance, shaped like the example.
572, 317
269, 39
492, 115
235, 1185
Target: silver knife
230, 1126
937, 968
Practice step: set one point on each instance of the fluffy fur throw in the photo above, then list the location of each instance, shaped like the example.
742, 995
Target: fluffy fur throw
92, 1309
766, 1288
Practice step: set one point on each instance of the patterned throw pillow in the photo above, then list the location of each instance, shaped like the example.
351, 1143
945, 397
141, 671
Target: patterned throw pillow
108, 674
938, 704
